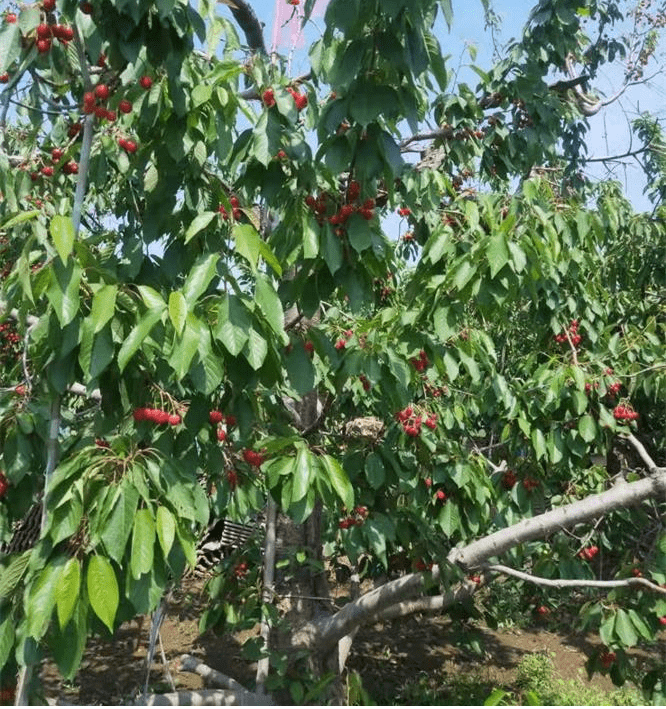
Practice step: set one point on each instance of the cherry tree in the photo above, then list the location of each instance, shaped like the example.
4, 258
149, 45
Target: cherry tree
381, 309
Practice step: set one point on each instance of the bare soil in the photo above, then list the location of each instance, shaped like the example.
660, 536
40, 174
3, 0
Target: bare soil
386, 656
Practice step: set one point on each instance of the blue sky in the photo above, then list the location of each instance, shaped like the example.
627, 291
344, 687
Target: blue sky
609, 131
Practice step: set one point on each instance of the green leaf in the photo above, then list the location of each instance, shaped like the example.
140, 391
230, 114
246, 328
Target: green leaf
202, 273
42, 599
13, 573
62, 233
338, 480
143, 543
7, 636
269, 303
539, 443
587, 428
165, 524
118, 527
359, 232
331, 250
497, 253
177, 311
374, 471
152, 299
495, 697
103, 306
63, 292
624, 629
233, 324
67, 590
310, 237
303, 474
10, 45
641, 625
449, 518
248, 243
300, 369
102, 590
256, 349
136, 337
200, 222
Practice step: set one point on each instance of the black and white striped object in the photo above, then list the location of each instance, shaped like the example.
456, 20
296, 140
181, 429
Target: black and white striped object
222, 537
25, 532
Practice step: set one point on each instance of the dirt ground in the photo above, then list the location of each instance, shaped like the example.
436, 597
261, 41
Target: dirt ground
386, 657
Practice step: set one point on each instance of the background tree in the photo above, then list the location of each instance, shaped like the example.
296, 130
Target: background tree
432, 402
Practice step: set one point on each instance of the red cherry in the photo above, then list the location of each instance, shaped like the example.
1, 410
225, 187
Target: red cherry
43, 31
10, 18
428, 482
232, 479
111, 116
47, 171
268, 97
102, 92
125, 106
56, 154
146, 82
231, 421
49, 5
86, 8
43, 45
129, 145
216, 417
4, 484
221, 435
71, 168
662, 620
174, 420
4, 78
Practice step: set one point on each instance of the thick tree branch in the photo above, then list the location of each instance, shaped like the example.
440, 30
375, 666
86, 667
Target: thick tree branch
212, 677
475, 554
325, 632
398, 596
203, 698
248, 21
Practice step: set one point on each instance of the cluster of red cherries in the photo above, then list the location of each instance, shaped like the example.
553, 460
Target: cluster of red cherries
411, 421
359, 516
570, 335
157, 416
421, 362
624, 413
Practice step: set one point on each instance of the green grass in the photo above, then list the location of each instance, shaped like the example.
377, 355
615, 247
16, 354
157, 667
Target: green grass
535, 684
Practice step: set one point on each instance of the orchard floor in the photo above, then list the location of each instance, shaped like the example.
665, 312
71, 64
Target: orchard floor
386, 658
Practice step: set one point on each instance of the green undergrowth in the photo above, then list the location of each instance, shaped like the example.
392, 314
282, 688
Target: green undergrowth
535, 684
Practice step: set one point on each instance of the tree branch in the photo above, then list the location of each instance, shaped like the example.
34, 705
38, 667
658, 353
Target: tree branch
475, 554
248, 21
574, 583
263, 665
640, 449
203, 698
212, 677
